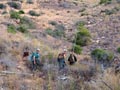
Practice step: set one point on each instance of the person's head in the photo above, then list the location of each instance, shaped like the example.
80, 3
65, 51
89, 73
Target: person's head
65, 50
38, 50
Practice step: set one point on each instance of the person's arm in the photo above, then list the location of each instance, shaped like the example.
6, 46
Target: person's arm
34, 59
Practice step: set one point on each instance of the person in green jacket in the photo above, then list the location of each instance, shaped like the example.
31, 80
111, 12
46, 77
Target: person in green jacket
35, 58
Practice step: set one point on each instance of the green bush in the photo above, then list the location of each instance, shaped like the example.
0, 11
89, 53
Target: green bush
33, 13
22, 29
2, 6
118, 49
30, 1
77, 49
83, 36
27, 22
105, 1
21, 12
14, 5
14, 14
11, 29
102, 55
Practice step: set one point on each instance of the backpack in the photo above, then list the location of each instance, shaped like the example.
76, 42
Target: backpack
72, 59
30, 58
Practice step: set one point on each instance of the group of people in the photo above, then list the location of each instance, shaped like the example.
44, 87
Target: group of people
34, 58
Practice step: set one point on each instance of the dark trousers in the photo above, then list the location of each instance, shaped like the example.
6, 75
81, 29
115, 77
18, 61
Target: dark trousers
61, 64
35, 65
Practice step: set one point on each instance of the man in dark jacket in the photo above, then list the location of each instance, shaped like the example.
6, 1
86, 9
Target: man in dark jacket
72, 58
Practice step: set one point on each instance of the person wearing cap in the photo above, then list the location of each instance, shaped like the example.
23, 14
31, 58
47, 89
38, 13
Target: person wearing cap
61, 59
35, 59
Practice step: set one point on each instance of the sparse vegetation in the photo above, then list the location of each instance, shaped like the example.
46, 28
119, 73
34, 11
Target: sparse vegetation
33, 13
14, 5
53, 31
102, 55
2, 6
15, 15
11, 29
118, 49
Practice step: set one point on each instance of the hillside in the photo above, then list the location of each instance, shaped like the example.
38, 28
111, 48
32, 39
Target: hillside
54, 25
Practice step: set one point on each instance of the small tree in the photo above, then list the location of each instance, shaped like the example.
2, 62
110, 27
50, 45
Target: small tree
83, 36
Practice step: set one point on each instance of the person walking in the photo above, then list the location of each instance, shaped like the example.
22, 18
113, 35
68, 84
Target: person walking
61, 60
35, 59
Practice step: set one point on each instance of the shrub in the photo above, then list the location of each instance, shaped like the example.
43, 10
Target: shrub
14, 5
21, 12
14, 14
27, 22
49, 31
53, 23
55, 33
30, 1
11, 29
83, 36
77, 49
58, 33
105, 1
33, 13
60, 27
80, 23
102, 55
82, 10
112, 11
4, 12
118, 49
118, 1
2, 6
22, 29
